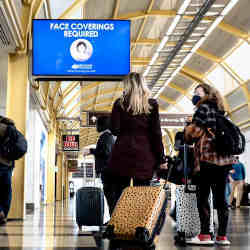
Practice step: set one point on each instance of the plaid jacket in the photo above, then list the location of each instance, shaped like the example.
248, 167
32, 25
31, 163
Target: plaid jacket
204, 150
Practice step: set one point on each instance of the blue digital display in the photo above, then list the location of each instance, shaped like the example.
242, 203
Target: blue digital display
81, 47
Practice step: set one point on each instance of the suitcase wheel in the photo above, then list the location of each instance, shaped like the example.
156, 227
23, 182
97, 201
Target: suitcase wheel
152, 247
142, 235
180, 239
109, 232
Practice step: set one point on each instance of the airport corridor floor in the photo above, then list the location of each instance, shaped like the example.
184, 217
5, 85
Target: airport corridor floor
54, 227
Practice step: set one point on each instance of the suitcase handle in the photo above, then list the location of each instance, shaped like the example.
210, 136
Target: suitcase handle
185, 148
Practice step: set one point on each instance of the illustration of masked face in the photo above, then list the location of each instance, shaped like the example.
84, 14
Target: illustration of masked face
81, 48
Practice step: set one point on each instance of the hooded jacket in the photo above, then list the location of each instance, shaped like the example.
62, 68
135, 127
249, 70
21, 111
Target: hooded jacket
4, 122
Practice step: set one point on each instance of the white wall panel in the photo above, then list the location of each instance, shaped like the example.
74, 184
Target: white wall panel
245, 157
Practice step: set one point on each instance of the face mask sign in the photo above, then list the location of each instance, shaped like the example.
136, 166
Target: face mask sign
196, 99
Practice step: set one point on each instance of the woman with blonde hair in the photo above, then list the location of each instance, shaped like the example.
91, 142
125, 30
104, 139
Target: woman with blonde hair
138, 150
211, 167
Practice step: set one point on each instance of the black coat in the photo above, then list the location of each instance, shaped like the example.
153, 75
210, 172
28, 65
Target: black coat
102, 151
138, 150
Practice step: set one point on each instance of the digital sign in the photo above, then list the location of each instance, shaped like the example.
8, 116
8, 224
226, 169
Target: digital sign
88, 119
81, 49
70, 142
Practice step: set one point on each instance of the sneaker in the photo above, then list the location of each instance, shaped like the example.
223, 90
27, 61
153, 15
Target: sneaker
201, 239
222, 240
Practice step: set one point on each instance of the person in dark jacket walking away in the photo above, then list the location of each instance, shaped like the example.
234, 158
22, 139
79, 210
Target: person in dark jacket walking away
138, 150
212, 168
238, 176
6, 168
103, 147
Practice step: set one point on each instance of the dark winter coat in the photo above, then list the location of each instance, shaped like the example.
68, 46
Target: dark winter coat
138, 150
4, 123
204, 150
102, 151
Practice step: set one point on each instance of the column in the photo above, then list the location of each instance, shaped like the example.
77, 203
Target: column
51, 154
17, 109
59, 177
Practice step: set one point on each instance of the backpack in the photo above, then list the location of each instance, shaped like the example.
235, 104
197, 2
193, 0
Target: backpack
228, 138
14, 145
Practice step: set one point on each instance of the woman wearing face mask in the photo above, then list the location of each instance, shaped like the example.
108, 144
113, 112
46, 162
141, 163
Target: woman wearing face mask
212, 168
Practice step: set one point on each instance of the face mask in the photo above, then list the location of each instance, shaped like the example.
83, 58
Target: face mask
196, 99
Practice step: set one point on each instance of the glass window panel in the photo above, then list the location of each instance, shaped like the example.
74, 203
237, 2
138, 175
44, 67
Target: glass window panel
173, 110
239, 61
59, 6
64, 85
72, 93
222, 81
186, 105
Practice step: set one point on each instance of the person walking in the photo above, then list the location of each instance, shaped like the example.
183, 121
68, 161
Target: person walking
211, 167
6, 169
138, 149
238, 175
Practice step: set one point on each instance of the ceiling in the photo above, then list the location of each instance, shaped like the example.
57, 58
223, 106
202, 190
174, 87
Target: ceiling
150, 22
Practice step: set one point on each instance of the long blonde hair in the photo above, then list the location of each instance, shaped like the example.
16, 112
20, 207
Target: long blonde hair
136, 94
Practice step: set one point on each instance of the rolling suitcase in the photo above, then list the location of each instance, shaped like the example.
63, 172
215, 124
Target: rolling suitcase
187, 215
89, 201
139, 216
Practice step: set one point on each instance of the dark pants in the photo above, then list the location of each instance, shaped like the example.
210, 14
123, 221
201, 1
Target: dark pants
6, 189
114, 185
215, 178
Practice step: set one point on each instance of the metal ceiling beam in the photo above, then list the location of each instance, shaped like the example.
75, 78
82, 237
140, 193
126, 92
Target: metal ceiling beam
116, 8
200, 52
75, 6
103, 92
72, 99
57, 87
142, 25
185, 36
118, 88
172, 13
167, 99
179, 89
68, 90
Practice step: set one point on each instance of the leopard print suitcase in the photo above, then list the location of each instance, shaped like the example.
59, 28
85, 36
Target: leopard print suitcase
139, 214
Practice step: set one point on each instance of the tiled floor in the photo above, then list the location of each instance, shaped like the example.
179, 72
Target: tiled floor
54, 227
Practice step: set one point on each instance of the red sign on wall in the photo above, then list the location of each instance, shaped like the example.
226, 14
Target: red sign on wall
70, 142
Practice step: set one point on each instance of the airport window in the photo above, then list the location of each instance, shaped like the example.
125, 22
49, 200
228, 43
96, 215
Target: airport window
186, 105
173, 110
239, 61
222, 81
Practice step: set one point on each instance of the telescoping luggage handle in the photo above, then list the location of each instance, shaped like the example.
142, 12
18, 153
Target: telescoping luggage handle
187, 190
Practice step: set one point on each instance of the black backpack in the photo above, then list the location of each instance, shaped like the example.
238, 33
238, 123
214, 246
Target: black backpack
14, 144
228, 138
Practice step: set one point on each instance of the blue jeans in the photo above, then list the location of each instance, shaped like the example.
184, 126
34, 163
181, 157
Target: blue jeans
228, 192
6, 189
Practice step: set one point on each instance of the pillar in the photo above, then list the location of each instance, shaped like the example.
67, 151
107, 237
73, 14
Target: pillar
59, 190
66, 181
51, 154
17, 109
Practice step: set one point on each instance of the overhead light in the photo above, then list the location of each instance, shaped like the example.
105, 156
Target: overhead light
173, 25
229, 7
183, 7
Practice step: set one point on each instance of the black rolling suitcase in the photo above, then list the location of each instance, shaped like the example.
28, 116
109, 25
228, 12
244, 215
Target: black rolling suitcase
89, 202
